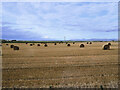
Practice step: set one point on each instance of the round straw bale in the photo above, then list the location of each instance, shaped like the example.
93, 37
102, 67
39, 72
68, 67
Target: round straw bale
82, 45
106, 47
55, 43
38, 44
68, 45
109, 43
31, 44
90, 42
11, 46
45, 45
16, 48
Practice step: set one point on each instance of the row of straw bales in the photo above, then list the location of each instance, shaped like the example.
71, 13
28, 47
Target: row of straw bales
104, 47
89, 42
81, 45
39, 45
14, 47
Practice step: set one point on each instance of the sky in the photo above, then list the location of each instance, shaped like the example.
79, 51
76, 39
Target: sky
56, 20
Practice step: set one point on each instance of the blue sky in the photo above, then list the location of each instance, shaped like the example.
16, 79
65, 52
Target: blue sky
53, 21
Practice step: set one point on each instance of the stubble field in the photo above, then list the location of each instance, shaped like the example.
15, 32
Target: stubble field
60, 66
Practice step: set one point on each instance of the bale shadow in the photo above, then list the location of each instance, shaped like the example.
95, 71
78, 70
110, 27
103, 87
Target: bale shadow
112, 49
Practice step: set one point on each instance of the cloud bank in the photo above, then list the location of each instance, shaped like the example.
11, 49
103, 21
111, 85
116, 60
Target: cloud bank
53, 21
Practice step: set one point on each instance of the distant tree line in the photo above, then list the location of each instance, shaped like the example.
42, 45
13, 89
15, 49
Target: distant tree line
18, 41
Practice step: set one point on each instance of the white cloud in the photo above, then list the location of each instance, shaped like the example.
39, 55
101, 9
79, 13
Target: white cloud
56, 20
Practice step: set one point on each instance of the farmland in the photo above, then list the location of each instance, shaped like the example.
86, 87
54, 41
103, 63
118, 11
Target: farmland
59, 65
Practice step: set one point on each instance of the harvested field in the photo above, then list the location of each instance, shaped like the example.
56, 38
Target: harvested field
60, 66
